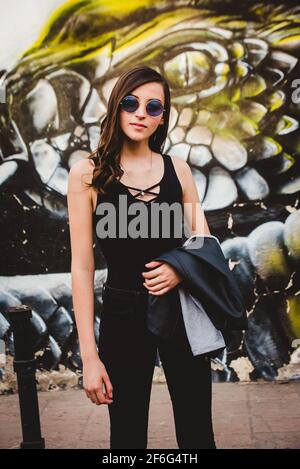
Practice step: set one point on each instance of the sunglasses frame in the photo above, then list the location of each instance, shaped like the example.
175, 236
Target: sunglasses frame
121, 103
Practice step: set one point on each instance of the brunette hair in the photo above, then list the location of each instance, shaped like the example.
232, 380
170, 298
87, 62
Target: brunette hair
107, 167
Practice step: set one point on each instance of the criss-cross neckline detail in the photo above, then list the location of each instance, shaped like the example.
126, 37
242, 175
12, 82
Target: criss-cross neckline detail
147, 190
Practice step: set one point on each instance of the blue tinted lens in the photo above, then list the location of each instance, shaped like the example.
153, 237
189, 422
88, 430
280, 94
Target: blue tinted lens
130, 104
154, 107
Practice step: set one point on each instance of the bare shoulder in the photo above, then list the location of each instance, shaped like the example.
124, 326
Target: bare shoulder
180, 163
81, 173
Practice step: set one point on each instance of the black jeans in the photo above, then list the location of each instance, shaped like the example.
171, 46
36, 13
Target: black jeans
129, 351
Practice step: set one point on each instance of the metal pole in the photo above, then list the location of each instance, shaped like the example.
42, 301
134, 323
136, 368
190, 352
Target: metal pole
25, 367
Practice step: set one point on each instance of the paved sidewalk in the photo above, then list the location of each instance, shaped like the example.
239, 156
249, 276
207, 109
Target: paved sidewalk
246, 415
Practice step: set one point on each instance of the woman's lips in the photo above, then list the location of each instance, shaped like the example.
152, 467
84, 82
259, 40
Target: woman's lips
138, 126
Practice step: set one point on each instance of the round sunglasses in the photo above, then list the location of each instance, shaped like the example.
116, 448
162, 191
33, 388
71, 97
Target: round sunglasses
154, 107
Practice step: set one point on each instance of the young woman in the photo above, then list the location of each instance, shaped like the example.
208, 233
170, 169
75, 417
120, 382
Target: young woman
128, 170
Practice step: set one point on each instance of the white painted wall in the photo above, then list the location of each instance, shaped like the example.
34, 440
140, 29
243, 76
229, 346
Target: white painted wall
20, 24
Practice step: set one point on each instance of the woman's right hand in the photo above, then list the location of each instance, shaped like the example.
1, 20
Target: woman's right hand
94, 377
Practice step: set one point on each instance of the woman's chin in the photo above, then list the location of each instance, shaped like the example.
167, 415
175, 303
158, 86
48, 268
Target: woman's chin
136, 138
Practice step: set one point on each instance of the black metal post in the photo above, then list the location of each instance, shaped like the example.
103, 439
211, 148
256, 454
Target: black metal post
25, 367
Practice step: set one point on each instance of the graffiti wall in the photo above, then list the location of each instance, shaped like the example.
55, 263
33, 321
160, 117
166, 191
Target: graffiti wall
234, 73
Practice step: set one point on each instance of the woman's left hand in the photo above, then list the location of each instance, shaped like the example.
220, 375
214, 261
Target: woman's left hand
160, 279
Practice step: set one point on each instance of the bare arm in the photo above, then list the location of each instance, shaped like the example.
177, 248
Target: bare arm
82, 262
82, 271
193, 211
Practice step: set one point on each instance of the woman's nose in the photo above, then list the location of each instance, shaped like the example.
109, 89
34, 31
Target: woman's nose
141, 111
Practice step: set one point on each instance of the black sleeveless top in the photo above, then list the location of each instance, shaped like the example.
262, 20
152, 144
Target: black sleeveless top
126, 255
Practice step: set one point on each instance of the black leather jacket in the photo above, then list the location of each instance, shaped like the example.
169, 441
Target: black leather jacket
206, 275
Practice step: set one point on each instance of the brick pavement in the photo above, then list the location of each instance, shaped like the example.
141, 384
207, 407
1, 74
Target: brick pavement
246, 415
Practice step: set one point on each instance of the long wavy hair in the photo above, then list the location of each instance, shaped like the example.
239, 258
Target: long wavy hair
107, 161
